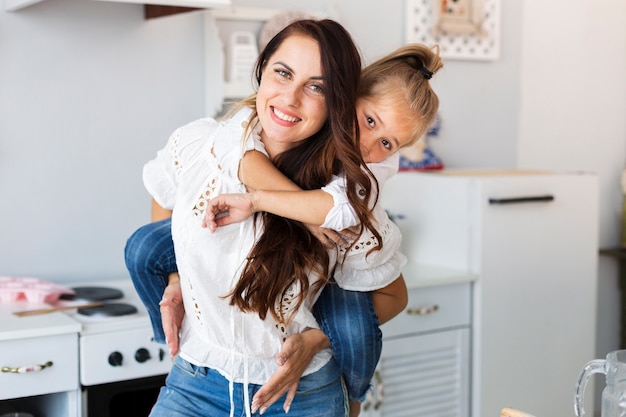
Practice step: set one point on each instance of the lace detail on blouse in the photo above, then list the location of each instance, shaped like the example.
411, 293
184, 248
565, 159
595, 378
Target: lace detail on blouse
367, 241
176, 156
207, 194
197, 313
287, 308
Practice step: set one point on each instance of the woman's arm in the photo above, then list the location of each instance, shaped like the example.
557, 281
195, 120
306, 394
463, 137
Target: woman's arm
171, 305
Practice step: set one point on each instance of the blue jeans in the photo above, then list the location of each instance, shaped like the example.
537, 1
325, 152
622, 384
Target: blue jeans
195, 391
346, 317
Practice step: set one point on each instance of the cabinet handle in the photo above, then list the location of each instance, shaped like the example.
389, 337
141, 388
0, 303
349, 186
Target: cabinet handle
27, 369
380, 391
515, 200
423, 311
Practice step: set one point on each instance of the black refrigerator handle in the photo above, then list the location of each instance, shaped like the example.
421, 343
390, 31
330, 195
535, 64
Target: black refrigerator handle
515, 200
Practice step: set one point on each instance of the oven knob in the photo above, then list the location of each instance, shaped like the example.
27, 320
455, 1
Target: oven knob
142, 355
115, 359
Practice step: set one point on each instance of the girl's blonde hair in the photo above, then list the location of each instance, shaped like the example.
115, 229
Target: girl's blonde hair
402, 78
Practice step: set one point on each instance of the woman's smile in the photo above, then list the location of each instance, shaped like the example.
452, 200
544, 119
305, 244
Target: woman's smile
290, 102
281, 116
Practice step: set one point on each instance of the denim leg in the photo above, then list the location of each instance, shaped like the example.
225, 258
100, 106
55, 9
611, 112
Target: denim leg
351, 324
194, 391
149, 256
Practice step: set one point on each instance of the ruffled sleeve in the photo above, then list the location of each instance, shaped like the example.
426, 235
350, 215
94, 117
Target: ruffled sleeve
342, 215
160, 175
361, 269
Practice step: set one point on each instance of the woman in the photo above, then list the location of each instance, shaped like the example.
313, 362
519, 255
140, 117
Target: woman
237, 316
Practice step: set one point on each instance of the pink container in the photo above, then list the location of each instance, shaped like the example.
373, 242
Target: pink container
32, 290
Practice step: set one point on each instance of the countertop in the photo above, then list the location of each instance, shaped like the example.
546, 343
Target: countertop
421, 275
14, 327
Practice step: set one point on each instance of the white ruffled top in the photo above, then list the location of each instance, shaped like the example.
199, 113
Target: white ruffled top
199, 162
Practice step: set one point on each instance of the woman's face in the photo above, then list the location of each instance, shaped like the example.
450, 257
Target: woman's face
384, 129
290, 100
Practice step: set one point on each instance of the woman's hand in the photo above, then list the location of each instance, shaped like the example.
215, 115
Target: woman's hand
172, 312
293, 359
228, 208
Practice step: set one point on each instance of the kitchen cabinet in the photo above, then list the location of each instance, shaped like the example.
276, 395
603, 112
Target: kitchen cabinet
14, 5
38, 357
531, 241
424, 367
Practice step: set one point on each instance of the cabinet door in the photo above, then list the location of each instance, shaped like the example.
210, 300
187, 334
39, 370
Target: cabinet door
423, 375
535, 300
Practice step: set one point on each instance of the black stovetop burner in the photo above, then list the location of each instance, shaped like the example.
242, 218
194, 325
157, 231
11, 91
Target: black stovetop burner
109, 310
89, 293
105, 294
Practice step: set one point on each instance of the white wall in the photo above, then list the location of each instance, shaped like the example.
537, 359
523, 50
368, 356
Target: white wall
88, 92
572, 117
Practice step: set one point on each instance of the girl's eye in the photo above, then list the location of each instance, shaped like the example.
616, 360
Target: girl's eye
386, 144
370, 121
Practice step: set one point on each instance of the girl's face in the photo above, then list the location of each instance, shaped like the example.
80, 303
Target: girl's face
384, 129
290, 100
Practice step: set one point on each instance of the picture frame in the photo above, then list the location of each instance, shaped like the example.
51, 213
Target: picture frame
458, 17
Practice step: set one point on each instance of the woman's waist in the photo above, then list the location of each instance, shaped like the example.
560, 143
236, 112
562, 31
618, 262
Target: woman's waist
240, 365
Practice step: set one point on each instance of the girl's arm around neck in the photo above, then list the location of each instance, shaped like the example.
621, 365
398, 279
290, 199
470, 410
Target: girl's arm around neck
272, 192
310, 207
257, 172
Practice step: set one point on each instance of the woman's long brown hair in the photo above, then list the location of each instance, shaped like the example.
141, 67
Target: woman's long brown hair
286, 252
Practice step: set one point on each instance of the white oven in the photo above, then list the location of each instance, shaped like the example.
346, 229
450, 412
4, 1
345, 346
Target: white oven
120, 368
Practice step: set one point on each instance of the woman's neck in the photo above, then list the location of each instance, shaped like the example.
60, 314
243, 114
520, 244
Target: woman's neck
272, 148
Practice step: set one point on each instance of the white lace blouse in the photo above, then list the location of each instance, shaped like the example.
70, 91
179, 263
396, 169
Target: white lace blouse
199, 162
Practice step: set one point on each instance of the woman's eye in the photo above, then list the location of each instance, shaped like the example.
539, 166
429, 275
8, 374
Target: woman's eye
370, 121
283, 73
317, 89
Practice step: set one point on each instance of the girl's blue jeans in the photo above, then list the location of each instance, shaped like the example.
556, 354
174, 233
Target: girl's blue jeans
346, 317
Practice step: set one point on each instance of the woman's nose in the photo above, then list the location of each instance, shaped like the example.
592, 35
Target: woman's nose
292, 95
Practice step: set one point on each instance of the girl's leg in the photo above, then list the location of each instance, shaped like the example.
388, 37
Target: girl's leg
350, 322
150, 259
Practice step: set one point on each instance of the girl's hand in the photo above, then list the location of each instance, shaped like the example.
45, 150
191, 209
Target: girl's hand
227, 209
331, 238
293, 359
172, 312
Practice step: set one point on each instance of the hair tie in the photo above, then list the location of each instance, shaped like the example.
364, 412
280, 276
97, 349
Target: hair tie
426, 73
